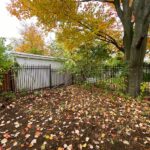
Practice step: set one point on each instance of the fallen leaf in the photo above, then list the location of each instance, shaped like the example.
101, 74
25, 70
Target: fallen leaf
17, 125
84, 145
15, 143
126, 142
77, 132
87, 139
4, 141
32, 143
27, 136
102, 135
6, 135
60, 148
37, 134
91, 146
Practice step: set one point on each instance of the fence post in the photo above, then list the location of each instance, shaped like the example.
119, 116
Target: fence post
11, 76
50, 76
72, 79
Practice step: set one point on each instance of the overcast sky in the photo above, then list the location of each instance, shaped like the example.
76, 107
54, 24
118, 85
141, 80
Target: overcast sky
9, 25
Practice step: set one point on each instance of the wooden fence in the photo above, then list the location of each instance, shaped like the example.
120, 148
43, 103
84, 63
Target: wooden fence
7, 83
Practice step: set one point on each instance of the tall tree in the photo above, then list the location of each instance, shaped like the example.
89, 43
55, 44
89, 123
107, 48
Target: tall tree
134, 16
32, 41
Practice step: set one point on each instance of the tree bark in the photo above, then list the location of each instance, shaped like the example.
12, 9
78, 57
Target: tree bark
136, 66
138, 47
134, 80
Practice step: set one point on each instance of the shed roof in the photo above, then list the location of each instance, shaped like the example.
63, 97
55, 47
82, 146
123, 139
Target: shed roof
33, 56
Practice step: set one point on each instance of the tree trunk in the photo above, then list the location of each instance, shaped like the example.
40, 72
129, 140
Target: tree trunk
134, 80
138, 50
136, 54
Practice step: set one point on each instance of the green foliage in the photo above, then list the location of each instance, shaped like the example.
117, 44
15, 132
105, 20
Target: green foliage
7, 96
143, 88
112, 78
116, 59
56, 50
119, 72
87, 86
146, 73
116, 83
23, 92
5, 60
146, 77
86, 60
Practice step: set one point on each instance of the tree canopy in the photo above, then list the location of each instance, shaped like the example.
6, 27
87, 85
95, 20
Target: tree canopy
76, 23
32, 41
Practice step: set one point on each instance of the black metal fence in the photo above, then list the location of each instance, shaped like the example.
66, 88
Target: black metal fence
146, 78
38, 77
113, 78
30, 78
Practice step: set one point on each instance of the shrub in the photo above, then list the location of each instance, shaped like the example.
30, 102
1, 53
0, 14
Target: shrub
5, 60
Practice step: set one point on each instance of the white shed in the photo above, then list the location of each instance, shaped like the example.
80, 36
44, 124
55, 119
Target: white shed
35, 72
37, 60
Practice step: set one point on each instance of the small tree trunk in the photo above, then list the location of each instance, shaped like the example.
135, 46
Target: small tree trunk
134, 80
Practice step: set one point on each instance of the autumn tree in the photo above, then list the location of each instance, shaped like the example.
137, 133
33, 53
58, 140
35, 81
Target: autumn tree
86, 20
32, 41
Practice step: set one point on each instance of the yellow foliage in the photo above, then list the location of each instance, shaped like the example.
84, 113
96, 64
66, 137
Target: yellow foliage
77, 23
89, 25
32, 41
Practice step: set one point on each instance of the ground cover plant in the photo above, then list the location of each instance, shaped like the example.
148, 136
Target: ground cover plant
74, 118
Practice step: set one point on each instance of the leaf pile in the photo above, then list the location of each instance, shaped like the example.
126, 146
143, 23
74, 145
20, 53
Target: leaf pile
72, 118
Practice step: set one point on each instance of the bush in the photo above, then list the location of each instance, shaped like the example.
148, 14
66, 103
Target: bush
5, 59
143, 88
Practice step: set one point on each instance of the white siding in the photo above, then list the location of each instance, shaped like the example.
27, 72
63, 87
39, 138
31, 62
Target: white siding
37, 60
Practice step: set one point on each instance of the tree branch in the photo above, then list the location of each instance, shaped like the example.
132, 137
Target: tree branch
118, 9
107, 38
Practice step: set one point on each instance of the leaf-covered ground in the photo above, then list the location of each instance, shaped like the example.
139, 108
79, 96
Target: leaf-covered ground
72, 118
